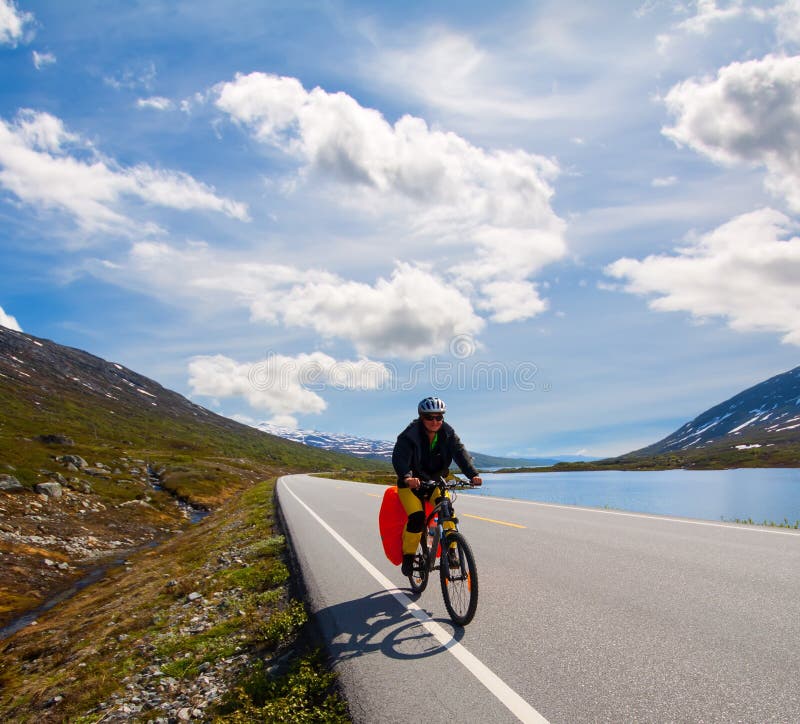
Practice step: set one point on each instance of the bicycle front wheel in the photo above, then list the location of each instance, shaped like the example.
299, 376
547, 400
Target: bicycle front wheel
459, 579
419, 576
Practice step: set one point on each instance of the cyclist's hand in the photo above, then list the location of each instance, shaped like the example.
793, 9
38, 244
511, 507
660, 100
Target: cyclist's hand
476, 481
413, 483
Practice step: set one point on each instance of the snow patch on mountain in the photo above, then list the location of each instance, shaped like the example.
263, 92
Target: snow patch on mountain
362, 447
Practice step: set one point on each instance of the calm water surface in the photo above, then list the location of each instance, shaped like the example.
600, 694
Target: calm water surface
763, 494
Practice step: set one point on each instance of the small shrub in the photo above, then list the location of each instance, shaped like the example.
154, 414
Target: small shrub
303, 695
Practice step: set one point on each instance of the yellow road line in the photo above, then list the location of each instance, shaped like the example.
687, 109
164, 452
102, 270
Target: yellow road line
374, 495
492, 520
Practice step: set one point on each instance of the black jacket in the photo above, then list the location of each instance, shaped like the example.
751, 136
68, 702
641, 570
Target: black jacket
412, 456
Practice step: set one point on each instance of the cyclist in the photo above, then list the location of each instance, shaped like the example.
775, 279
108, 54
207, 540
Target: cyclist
425, 450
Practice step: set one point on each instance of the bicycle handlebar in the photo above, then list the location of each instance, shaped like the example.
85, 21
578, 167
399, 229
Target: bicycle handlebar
442, 483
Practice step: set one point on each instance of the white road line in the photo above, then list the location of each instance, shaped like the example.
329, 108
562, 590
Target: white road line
648, 516
502, 691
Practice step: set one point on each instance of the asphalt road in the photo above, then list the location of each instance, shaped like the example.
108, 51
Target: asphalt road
584, 614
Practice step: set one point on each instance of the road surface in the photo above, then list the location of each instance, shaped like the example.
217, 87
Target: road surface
584, 614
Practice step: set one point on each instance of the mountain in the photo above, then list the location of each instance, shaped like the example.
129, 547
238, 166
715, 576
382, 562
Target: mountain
80, 440
382, 449
46, 387
766, 415
337, 442
757, 428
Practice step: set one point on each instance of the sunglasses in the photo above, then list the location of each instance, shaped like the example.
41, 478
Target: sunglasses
430, 418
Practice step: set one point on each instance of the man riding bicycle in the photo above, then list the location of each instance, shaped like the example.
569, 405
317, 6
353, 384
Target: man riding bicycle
424, 451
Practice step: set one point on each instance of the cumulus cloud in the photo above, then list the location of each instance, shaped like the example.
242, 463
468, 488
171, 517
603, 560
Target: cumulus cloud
745, 271
749, 114
494, 204
40, 60
6, 320
13, 23
48, 167
281, 384
411, 313
157, 103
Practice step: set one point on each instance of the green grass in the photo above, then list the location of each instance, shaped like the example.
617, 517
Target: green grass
768, 523
304, 695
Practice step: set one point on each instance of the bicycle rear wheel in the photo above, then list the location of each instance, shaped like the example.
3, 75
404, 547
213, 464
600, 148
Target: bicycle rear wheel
459, 583
419, 576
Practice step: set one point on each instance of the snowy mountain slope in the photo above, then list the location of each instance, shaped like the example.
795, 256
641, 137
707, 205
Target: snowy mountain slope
765, 415
362, 447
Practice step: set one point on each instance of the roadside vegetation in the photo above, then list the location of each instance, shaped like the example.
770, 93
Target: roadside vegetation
215, 603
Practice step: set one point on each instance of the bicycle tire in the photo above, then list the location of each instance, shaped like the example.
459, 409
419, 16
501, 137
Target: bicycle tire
459, 585
419, 576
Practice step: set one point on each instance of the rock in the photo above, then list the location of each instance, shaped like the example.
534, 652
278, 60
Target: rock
185, 714
194, 595
96, 472
75, 460
10, 484
56, 440
49, 563
52, 490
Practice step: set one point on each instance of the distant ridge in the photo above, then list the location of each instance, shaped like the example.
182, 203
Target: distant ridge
382, 449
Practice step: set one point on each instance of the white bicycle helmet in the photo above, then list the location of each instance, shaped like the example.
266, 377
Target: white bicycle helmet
431, 405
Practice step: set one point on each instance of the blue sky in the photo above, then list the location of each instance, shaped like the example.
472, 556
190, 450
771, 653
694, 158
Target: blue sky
577, 224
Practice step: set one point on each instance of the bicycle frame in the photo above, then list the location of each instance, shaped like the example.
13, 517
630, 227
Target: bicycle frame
442, 513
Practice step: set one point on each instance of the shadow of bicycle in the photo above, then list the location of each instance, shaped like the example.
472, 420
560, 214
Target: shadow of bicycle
378, 623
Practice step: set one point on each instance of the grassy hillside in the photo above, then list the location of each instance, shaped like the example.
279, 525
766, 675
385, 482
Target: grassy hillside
242, 628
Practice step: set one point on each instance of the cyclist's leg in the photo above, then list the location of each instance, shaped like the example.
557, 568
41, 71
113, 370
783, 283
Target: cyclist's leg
416, 520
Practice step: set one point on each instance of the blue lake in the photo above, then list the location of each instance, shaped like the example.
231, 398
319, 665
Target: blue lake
761, 494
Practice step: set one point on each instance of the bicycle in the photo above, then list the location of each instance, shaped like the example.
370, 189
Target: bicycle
459, 577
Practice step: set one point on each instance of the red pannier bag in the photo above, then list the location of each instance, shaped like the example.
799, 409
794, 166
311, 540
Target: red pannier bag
391, 521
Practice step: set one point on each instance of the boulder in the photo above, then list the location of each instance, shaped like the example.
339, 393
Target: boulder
75, 460
9, 484
51, 490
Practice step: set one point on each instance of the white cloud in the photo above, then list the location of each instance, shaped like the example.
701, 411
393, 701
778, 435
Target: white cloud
787, 21
664, 181
6, 320
749, 114
47, 167
157, 103
40, 60
13, 23
745, 271
707, 13
412, 313
134, 77
283, 385
493, 203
